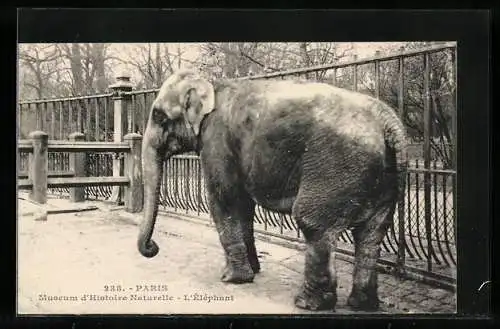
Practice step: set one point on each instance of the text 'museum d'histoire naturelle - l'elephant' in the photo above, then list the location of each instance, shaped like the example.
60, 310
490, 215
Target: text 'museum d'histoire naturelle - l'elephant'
330, 157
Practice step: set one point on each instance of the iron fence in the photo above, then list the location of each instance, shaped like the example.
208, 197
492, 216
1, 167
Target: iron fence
183, 190
91, 115
422, 238
100, 165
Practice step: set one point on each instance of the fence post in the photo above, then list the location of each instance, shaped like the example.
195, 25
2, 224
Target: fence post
39, 166
427, 160
134, 195
401, 257
120, 100
77, 165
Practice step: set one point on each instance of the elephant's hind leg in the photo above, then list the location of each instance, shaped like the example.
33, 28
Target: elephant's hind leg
230, 216
367, 241
318, 291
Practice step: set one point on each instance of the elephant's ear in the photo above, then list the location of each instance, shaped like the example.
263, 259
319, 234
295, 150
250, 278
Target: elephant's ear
171, 98
198, 99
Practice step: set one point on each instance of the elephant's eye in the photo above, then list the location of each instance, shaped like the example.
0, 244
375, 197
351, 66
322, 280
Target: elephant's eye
159, 116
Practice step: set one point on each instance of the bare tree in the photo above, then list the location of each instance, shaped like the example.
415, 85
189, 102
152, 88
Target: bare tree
248, 58
153, 62
40, 62
87, 67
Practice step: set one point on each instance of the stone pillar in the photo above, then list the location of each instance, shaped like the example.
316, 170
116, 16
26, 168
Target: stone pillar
121, 104
134, 195
39, 166
77, 165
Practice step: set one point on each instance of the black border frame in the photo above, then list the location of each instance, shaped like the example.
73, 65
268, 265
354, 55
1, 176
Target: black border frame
470, 28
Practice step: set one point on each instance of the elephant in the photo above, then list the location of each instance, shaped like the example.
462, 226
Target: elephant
332, 158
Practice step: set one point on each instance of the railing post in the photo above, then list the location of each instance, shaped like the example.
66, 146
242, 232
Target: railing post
39, 166
134, 195
120, 100
77, 165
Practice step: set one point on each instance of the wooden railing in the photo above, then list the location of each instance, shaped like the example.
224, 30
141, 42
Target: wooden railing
39, 179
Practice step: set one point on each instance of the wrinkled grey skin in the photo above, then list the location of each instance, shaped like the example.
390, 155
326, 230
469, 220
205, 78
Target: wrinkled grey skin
327, 156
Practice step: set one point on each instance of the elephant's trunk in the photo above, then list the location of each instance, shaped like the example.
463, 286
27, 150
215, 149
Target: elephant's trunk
152, 164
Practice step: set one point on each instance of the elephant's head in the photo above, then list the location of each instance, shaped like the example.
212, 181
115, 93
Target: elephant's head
173, 127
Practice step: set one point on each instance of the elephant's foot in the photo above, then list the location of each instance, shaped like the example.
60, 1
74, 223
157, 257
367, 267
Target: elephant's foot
238, 274
362, 301
316, 301
238, 268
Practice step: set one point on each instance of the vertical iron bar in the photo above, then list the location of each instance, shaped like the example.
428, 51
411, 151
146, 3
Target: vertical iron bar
265, 220
79, 117
401, 202
199, 185
53, 120
401, 93
427, 158
454, 108
61, 119
444, 193
186, 182
70, 119
45, 127
454, 138
408, 239
106, 99
176, 178
38, 116
437, 235
134, 112
88, 116
97, 128
417, 217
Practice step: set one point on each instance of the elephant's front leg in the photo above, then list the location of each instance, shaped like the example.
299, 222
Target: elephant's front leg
227, 216
246, 215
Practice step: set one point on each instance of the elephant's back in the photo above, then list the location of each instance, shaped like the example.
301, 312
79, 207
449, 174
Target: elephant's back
286, 111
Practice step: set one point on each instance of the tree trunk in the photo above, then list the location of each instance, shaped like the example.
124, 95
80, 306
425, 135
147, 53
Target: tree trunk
99, 58
75, 58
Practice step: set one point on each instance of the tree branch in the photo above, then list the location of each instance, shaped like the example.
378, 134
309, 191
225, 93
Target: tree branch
257, 62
